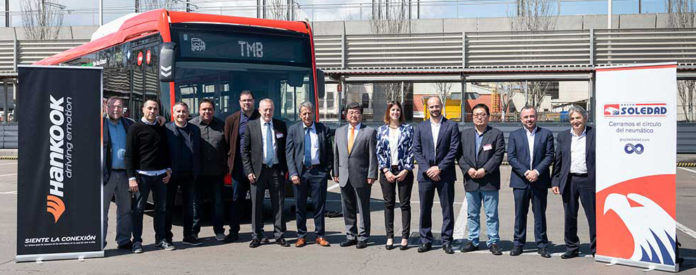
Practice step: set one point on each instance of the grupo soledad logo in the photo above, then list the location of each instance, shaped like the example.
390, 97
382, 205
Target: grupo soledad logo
635, 110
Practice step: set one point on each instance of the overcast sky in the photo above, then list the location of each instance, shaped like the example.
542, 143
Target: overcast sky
84, 12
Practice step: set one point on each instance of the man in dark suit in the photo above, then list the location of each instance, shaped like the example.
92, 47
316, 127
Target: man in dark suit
435, 146
530, 154
263, 157
310, 158
482, 152
574, 178
235, 126
355, 170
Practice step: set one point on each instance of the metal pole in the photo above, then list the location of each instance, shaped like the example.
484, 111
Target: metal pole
640, 8
7, 13
6, 108
609, 14
258, 8
101, 12
137, 6
188, 5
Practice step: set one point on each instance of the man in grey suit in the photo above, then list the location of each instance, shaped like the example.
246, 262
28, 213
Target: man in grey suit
263, 157
355, 169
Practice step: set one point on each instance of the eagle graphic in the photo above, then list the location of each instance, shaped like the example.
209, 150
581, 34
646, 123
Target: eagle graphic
651, 226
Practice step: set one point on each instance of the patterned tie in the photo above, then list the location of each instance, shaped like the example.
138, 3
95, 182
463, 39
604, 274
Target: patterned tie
351, 138
307, 149
270, 155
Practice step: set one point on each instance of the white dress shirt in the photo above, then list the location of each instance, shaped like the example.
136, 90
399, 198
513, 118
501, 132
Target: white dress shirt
315, 142
264, 134
577, 152
530, 143
394, 145
435, 129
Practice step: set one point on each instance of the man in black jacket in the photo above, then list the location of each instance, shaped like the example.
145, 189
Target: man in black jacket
213, 164
184, 149
115, 180
147, 167
482, 152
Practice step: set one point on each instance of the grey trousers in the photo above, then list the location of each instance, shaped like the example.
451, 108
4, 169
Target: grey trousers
356, 203
118, 186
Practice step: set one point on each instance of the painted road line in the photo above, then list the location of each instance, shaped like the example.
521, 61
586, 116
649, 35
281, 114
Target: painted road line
9, 193
460, 222
12, 174
686, 230
332, 187
687, 169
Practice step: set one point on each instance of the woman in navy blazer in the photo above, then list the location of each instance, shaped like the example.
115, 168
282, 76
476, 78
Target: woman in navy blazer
395, 158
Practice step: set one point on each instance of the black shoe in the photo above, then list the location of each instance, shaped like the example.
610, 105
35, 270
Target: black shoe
389, 246
166, 245
255, 243
232, 237
424, 247
447, 247
542, 251
403, 247
516, 251
282, 242
126, 246
137, 248
569, 254
495, 250
191, 241
265, 240
361, 244
347, 243
468, 247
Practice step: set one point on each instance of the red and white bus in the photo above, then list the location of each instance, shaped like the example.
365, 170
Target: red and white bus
177, 56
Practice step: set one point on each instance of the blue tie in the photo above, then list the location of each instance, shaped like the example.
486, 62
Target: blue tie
307, 148
270, 155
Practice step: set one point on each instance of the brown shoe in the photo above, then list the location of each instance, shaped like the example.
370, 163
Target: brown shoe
300, 242
323, 242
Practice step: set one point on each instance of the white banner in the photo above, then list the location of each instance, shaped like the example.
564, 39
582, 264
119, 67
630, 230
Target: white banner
636, 122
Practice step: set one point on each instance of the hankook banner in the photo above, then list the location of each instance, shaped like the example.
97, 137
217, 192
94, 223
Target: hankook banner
636, 118
59, 200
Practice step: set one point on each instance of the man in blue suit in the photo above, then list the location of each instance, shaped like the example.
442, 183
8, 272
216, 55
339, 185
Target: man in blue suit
530, 154
574, 178
435, 146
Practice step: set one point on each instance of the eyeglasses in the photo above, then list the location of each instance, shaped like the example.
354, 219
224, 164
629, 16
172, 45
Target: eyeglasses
480, 115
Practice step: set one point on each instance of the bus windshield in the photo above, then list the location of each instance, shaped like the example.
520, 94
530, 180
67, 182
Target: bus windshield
218, 62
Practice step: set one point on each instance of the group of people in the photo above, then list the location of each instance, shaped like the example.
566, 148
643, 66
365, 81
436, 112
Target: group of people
259, 151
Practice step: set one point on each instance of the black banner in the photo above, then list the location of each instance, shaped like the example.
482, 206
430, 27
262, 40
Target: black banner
59, 204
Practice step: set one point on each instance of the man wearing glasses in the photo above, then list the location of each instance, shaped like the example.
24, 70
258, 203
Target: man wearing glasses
482, 152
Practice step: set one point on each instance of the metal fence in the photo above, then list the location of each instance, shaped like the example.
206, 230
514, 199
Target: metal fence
550, 49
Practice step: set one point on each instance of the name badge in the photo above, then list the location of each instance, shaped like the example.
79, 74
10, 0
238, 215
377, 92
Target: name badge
279, 135
487, 147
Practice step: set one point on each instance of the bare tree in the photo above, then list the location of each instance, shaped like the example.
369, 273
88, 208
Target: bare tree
148, 5
681, 15
389, 17
532, 16
42, 19
505, 91
443, 90
281, 9
536, 15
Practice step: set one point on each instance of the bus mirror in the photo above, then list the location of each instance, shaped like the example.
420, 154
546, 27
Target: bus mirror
166, 64
295, 79
320, 84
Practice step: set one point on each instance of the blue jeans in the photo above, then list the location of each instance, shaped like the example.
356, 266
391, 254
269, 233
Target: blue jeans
159, 196
490, 207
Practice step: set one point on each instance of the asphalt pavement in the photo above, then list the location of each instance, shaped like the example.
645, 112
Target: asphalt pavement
214, 257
